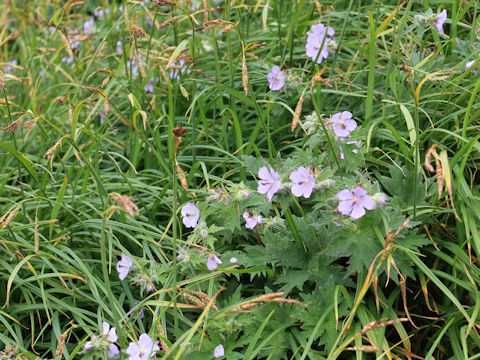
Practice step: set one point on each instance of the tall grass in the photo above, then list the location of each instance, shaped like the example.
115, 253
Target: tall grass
63, 165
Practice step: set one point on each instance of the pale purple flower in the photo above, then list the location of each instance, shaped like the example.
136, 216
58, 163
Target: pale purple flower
89, 26
144, 349
8, 68
440, 20
469, 64
343, 124
149, 86
141, 313
100, 13
252, 220
178, 69
123, 266
132, 64
67, 60
49, 30
233, 260
111, 334
190, 215
74, 39
119, 46
106, 338
276, 79
269, 182
318, 42
303, 182
354, 203
219, 351
213, 261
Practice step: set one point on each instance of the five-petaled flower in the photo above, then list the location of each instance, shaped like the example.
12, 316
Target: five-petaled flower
219, 351
190, 215
213, 261
354, 203
303, 182
318, 42
269, 182
343, 123
276, 79
252, 220
144, 349
105, 341
123, 266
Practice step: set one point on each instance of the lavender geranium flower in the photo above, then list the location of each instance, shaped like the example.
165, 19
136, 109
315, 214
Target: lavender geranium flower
9, 68
233, 260
66, 60
178, 69
252, 220
440, 20
119, 46
190, 215
354, 203
100, 13
219, 351
111, 334
469, 64
319, 39
276, 79
213, 261
269, 182
124, 266
105, 341
144, 349
343, 124
149, 86
89, 26
303, 182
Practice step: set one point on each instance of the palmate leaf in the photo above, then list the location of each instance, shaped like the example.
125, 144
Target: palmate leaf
292, 279
317, 303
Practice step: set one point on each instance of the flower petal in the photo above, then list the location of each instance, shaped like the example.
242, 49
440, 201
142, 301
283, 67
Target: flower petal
345, 207
357, 211
345, 195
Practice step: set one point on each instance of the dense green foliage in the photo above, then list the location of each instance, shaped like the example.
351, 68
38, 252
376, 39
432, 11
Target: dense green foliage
117, 114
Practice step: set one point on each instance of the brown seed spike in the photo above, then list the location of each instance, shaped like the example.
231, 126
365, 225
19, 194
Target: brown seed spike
298, 111
244, 74
167, 22
59, 100
2, 80
14, 125
50, 154
126, 203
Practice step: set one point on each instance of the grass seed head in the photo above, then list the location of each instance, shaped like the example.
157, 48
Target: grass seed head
14, 125
126, 203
